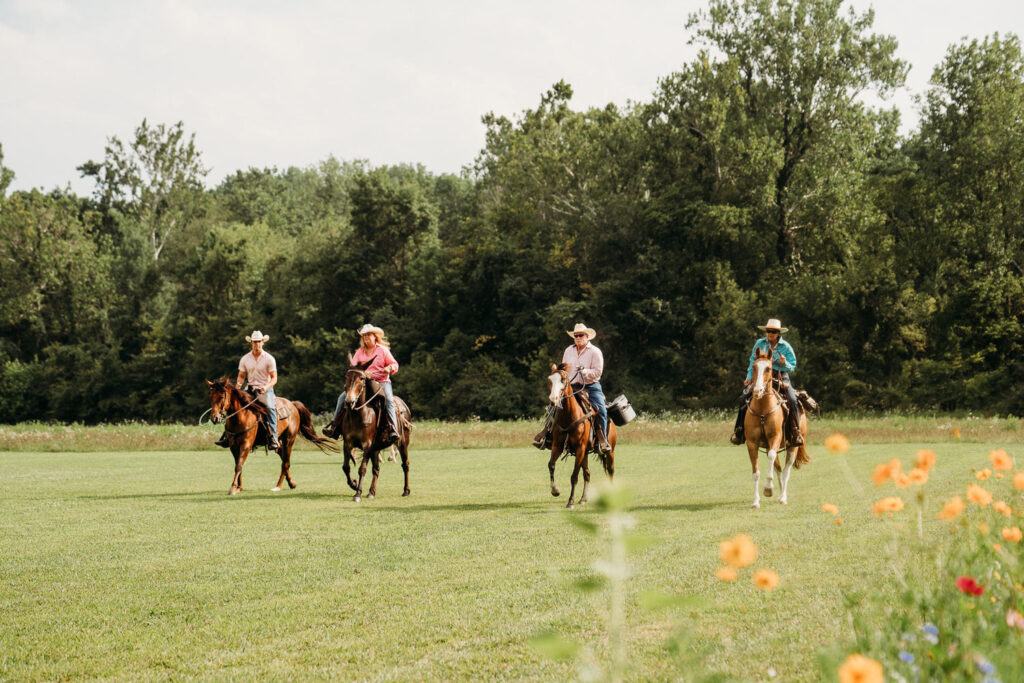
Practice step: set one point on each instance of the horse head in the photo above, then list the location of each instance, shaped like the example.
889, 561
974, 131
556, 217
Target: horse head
762, 373
557, 383
355, 381
220, 399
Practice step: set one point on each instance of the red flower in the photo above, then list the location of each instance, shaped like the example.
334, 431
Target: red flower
969, 586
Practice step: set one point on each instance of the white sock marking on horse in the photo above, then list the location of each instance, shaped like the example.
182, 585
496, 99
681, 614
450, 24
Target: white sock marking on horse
784, 477
772, 455
757, 494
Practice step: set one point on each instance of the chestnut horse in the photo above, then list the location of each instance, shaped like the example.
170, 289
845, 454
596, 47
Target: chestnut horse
241, 413
764, 427
357, 424
572, 432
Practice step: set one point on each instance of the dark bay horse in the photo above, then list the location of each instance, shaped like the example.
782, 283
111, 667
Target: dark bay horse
241, 412
572, 433
356, 425
763, 427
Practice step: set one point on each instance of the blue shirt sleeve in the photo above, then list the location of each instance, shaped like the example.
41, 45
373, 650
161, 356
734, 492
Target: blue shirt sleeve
784, 349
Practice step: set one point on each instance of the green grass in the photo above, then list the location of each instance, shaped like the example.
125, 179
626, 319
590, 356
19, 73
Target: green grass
131, 565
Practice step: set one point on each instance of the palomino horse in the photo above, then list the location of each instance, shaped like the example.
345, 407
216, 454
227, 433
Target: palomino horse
240, 413
763, 427
357, 426
572, 432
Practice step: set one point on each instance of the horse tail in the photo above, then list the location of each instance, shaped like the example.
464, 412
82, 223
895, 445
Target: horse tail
607, 462
802, 457
306, 429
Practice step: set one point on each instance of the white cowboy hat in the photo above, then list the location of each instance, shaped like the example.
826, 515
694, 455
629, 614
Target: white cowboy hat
257, 336
371, 328
580, 327
774, 324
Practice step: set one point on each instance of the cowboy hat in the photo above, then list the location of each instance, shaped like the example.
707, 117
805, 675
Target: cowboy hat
774, 324
580, 327
371, 328
257, 336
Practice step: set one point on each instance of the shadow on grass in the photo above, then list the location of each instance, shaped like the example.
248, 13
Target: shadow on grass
212, 496
688, 507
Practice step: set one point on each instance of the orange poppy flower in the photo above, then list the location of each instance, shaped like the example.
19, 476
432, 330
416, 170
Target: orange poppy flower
830, 508
1000, 460
726, 573
860, 669
886, 471
952, 509
983, 474
1012, 534
925, 459
837, 443
738, 551
1018, 481
978, 495
766, 579
1002, 508
890, 504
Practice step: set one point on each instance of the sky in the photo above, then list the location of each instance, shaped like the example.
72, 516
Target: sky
276, 84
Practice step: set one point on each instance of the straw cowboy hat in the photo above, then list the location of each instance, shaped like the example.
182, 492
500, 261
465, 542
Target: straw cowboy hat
580, 327
773, 324
372, 328
257, 336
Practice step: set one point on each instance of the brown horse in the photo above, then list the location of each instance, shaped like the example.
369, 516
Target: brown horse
763, 427
240, 412
574, 426
357, 425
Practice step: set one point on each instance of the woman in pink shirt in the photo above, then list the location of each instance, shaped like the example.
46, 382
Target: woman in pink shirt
375, 347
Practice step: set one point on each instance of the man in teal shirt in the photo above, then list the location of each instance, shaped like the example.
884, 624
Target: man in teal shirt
783, 363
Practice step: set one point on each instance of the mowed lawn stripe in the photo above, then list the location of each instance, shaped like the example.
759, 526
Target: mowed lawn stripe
139, 566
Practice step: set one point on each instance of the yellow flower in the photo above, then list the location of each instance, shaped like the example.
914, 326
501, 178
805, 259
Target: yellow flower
726, 573
1018, 481
925, 459
1002, 508
830, 508
860, 669
766, 579
918, 476
890, 504
978, 495
837, 443
738, 551
1011, 534
886, 471
952, 509
1000, 460
983, 528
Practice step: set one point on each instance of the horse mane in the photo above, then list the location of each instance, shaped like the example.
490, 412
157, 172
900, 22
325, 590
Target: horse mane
226, 384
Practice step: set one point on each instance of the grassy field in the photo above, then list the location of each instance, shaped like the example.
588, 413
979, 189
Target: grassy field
693, 429
137, 565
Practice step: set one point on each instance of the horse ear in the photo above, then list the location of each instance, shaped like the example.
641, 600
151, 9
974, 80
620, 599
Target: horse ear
350, 360
554, 368
209, 382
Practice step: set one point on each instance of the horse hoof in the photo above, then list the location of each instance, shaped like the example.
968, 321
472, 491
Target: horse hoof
371, 496
276, 488
406, 493
570, 506
782, 501
357, 499
555, 492
756, 505
292, 485
232, 492
767, 493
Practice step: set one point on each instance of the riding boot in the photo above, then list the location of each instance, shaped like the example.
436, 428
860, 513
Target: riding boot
738, 437
272, 442
795, 438
602, 442
328, 430
543, 439
223, 440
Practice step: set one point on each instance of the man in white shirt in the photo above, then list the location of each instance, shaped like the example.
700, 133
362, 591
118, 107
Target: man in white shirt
258, 370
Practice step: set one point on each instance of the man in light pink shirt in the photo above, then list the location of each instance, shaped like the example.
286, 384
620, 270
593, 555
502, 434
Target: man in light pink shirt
586, 363
258, 370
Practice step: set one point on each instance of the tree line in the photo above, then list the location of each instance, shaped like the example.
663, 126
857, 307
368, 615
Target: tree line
759, 180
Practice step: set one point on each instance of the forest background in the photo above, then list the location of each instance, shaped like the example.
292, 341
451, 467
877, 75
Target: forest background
767, 178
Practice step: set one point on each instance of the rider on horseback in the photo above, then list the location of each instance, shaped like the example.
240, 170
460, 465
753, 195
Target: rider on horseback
587, 363
783, 363
260, 369
376, 348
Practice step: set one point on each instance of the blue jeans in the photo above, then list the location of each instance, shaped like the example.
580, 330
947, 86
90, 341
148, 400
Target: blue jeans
597, 400
268, 399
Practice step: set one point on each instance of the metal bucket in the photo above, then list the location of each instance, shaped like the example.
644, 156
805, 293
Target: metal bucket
620, 411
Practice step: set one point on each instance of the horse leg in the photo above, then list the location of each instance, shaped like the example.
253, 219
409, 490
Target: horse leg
286, 462
403, 450
556, 450
752, 452
346, 464
236, 480
581, 453
586, 479
772, 455
362, 473
784, 477
375, 460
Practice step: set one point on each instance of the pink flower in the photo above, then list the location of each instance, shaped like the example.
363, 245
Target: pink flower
969, 586
1014, 618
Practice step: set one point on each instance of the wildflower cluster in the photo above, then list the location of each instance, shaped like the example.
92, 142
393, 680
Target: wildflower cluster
961, 619
738, 553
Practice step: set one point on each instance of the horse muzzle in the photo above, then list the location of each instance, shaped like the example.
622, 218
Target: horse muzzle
216, 418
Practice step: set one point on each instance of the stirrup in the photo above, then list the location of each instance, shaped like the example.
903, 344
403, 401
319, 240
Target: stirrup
738, 437
222, 441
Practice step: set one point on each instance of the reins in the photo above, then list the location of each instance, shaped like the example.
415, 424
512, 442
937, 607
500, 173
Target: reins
362, 376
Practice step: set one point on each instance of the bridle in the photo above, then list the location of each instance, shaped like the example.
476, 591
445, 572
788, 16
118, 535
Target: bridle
362, 390
217, 418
